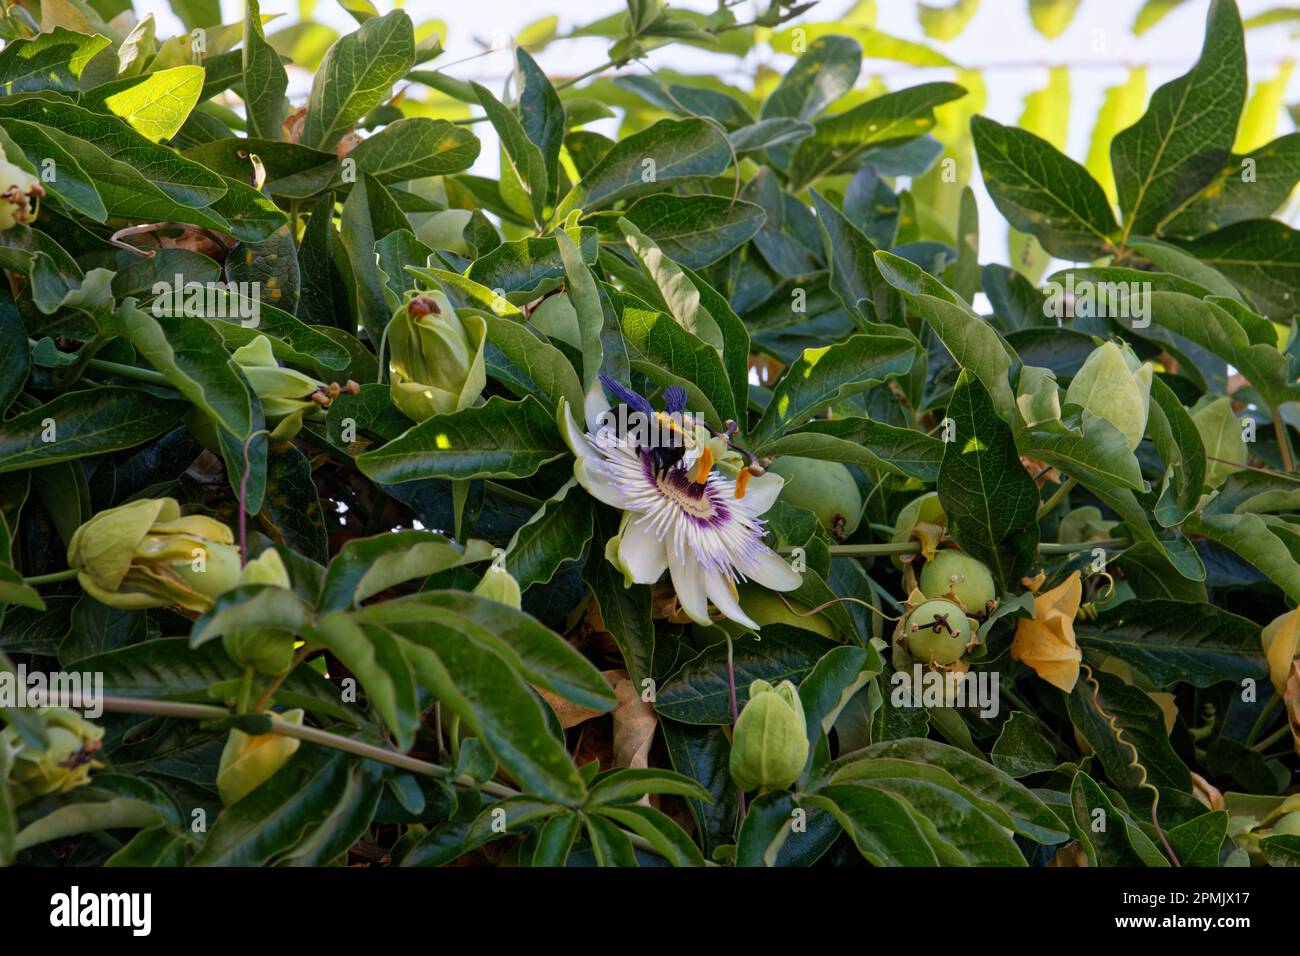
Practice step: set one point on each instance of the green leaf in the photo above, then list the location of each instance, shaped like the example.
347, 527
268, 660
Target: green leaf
1253, 538
989, 497
527, 166
659, 829
295, 812
416, 147
820, 76
1187, 132
865, 443
1262, 258
584, 296
525, 269
1126, 730
854, 276
1180, 446
542, 115
1281, 850
72, 186
528, 364
822, 376
1043, 192
1170, 641
365, 567
1233, 196
971, 341
1107, 835
699, 693
646, 161
498, 439
59, 59
356, 75
369, 214
1022, 747
624, 611
882, 826
191, 355
155, 105
556, 534
890, 119
696, 231
89, 422
265, 79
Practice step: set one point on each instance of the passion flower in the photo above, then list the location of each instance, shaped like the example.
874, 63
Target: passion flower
953, 574
769, 746
690, 506
938, 633
146, 554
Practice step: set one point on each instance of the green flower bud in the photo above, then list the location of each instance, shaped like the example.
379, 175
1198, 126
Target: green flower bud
247, 762
1221, 432
499, 585
268, 652
145, 554
20, 194
1084, 524
436, 363
1287, 825
825, 488
937, 632
1114, 385
951, 573
770, 743
286, 395
65, 762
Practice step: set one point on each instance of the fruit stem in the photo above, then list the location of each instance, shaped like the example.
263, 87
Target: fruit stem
52, 578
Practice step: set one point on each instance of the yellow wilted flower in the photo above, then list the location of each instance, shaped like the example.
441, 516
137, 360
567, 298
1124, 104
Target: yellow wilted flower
247, 762
1281, 641
62, 765
1046, 643
145, 554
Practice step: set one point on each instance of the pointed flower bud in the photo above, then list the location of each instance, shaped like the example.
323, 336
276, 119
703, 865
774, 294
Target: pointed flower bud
1114, 385
146, 554
286, 395
62, 765
20, 194
770, 744
436, 363
247, 762
499, 585
269, 652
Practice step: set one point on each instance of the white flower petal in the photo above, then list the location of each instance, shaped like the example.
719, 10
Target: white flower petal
720, 592
762, 491
573, 434
772, 571
643, 555
594, 405
688, 582
597, 485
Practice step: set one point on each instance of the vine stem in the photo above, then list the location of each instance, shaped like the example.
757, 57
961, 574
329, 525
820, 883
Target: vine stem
1283, 440
914, 547
52, 578
1057, 496
323, 738
735, 716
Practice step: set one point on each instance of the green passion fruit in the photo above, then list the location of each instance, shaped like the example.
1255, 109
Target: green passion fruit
937, 632
959, 575
826, 488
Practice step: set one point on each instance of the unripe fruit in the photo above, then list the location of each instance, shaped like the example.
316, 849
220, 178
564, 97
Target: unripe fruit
937, 632
826, 488
951, 572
